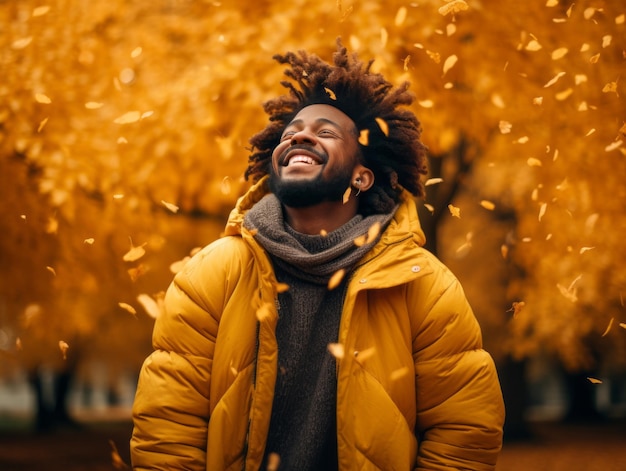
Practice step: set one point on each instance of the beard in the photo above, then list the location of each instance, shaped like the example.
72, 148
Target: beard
301, 193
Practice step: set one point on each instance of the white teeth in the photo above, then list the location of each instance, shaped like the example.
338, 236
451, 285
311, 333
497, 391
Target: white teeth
301, 159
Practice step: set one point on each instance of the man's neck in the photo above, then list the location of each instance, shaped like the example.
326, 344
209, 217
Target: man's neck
327, 216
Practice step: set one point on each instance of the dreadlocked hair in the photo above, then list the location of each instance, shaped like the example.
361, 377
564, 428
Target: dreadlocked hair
395, 154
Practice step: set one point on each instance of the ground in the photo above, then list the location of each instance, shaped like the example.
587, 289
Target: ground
554, 447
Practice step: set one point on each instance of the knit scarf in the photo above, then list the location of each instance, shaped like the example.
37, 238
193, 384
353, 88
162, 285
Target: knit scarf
303, 423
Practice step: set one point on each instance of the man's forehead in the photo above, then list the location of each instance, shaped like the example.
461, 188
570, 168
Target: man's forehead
321, 111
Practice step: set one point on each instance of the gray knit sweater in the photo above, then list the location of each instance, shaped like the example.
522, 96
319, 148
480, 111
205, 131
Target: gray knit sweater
303, 421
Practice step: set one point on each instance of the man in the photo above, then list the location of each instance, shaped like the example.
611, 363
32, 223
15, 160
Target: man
318, 334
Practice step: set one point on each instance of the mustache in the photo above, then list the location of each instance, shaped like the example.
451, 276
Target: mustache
323, 157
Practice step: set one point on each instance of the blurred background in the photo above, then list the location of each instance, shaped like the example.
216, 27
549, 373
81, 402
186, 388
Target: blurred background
124, 130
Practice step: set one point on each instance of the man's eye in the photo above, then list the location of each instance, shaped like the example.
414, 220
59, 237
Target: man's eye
327, 132
287, 135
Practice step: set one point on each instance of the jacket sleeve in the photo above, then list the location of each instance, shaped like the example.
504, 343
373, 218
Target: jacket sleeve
171, 407
460, 410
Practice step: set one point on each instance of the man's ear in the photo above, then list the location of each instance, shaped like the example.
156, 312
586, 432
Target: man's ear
362, 178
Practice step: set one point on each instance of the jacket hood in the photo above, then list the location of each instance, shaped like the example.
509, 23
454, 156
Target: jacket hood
404, 222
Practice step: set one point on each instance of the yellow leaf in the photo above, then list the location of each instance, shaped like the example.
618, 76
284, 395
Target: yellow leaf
554, 79
127, 118
263, 312
449, 63
533, 45
608, 327
337, 350
346, 195
595, 58
456, 212
172, 207
453, 7
364, 137
42, 124
89, 241
533, 162
331, 94
134, 254
21, 43
586, 249
542, 210
178, 265
282, 287
128, 307
116, 459
51, 270
517, 307
405, 63
610, 87
433, 181
360, 240
559, 53
63, 346
400, 16
594, 380
41, 98
429, 207
336, 278
93, 105
505, 127
151, 306
488, 205
40, 11
382, 124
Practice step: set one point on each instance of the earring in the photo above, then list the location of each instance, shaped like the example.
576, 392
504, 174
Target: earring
357, 183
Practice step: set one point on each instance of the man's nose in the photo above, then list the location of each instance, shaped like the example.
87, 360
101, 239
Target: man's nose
304, 136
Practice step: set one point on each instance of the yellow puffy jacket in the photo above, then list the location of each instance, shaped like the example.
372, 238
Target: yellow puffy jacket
415, 389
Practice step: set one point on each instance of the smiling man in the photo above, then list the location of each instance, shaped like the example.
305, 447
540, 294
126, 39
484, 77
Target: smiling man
318, 333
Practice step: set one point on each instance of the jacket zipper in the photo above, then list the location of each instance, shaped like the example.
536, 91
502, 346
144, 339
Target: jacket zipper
254, 373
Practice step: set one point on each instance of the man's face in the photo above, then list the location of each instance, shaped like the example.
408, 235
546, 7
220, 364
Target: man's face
316, 157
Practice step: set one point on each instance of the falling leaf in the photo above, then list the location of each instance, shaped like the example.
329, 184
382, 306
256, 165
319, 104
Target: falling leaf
554, 79
89, 241
331, 94
127, 118
595, 58
116, 459
608, 327
263, 312
372, 232
282, 287
542, 210
323, 232
346, 195
517, 307
453, 7
41, 98
610, 87
364, 137
533, 162
42, 124
336, 278
449, 63
613, 146
40, 11
456, 212
533, 45
426, 103
172, 207
63, 346
429, 207
622, 325
586, 249
433, 181
21, 43
51, 270
488, 205
273, 462
150, 305
360, 240
504, 251
137, 272
505, 127
559, 53
405, 63
93, 105
128, 307
382, 124
552, 3
400, 16
178, 265
594, 380
337, 350
135, 253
